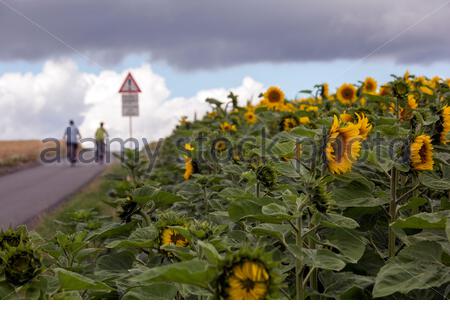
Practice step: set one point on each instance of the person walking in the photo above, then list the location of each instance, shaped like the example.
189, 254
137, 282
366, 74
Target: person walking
100, 146
72, 136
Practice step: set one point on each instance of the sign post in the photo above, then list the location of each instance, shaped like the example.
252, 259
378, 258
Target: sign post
130, 100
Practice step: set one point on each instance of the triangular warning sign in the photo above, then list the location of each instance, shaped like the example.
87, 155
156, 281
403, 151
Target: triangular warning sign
129, 85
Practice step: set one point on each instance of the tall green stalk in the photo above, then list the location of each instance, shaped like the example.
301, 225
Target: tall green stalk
299, 286
392, 211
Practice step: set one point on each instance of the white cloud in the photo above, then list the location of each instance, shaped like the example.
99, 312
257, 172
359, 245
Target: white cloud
35, 106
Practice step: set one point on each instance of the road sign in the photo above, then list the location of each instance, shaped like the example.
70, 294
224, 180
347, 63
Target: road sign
130, 99
129, 85
130, 105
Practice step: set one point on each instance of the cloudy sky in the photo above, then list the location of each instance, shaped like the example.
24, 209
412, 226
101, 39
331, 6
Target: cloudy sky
66, 59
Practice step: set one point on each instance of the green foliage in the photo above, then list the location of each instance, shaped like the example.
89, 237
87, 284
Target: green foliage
261, 217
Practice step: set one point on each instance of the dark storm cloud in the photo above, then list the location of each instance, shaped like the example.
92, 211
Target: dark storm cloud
205, 33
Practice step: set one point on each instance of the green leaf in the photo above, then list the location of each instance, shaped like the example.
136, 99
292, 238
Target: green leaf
140, 238
434, 182
164, 198
283, 148
349, 244
318, 258
193, 272
6, 290
69, 280
157, 291
354, 195
332, 220
301, 131
276, 231
112, 230
209, 252
261, 209
116, 262
323, 259
345, 285
424, 220
286, 169
416, 267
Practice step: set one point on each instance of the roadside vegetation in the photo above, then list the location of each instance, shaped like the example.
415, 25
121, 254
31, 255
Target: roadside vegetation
333, 195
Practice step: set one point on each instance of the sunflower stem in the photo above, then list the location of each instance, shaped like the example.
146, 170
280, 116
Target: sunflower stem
258, 189
299, 286
392, 211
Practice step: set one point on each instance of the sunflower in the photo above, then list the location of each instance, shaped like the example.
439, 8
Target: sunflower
304, 120
312, 109
346, 117
248, 274
249, 280
364, 126
274, 96
288, 123
421, 153
212, 114
346, 93
385, 90
188, 147
190, 167
227, 127
435, 81
343, 146
412, 103
370, 85
184, 121
445, 125
324, 91
220, 145
170, 236
250, 117
426, 90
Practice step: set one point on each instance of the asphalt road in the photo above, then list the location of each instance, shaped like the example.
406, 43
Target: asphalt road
27, 194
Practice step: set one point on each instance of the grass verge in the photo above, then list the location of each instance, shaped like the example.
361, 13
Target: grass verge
90, 197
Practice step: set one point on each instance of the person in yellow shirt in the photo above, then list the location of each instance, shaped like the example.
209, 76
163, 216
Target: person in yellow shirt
100, 136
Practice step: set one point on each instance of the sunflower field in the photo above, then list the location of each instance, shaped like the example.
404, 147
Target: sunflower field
334, 195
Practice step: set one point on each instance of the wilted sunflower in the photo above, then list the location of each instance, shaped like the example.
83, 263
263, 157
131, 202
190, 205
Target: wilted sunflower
364, 126
445, 125
421, 153
346, 93
288, 123
227, 127
370, 85
343, 146
170, 236
266, 175
273, 97
250, 117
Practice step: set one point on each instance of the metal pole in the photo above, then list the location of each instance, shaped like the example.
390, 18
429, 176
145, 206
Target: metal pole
131, 132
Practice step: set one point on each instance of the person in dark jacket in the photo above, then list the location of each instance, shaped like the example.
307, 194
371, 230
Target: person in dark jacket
72, 136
